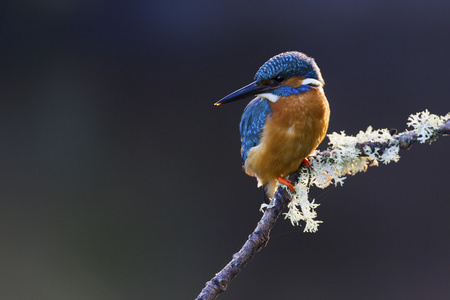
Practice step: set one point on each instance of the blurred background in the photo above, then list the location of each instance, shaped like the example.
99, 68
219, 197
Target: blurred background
121, 180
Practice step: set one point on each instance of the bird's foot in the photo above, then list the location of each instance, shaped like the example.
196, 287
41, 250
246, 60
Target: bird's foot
286, 182
308, 166
306, 163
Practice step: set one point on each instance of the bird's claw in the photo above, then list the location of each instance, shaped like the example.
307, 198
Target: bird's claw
286, 182
306, 163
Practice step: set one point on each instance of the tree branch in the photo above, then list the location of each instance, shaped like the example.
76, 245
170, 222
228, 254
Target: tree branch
259, 237
256, 241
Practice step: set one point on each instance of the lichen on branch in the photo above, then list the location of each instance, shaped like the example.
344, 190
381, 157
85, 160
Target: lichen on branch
349, 155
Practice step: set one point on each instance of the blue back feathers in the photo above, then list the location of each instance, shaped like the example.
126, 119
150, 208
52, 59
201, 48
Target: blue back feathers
252, 122
289, 64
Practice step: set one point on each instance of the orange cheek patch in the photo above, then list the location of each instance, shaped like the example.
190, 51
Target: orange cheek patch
294, 81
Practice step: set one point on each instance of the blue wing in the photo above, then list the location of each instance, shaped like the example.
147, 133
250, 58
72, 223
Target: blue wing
252, 123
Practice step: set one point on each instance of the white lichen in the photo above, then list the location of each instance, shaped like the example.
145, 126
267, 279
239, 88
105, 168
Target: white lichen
426, 125
345, 158
307, 211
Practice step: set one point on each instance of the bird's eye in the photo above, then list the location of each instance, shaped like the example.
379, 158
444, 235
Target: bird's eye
279, 78
275, 81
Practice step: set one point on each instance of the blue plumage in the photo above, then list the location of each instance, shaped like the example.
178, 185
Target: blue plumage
285, 90
288, 64
252, 123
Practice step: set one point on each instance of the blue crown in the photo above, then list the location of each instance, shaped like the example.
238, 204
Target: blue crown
288, 64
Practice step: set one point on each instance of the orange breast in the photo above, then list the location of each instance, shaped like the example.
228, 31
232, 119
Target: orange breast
296, 127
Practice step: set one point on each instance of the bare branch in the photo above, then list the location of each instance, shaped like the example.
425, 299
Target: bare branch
256, 241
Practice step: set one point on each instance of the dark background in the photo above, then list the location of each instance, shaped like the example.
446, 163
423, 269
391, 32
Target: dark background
121, 180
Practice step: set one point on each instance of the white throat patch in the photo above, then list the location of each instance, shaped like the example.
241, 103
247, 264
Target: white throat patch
269, 96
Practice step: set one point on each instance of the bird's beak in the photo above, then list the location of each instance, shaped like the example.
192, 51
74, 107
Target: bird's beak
247, 91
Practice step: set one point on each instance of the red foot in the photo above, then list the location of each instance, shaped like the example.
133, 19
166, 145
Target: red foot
286, 182
306, 163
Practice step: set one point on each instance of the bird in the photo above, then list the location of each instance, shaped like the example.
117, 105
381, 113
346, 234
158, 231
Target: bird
285, 122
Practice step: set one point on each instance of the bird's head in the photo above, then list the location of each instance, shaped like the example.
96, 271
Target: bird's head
282, 75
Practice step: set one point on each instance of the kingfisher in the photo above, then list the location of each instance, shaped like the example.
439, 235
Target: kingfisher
286, 121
